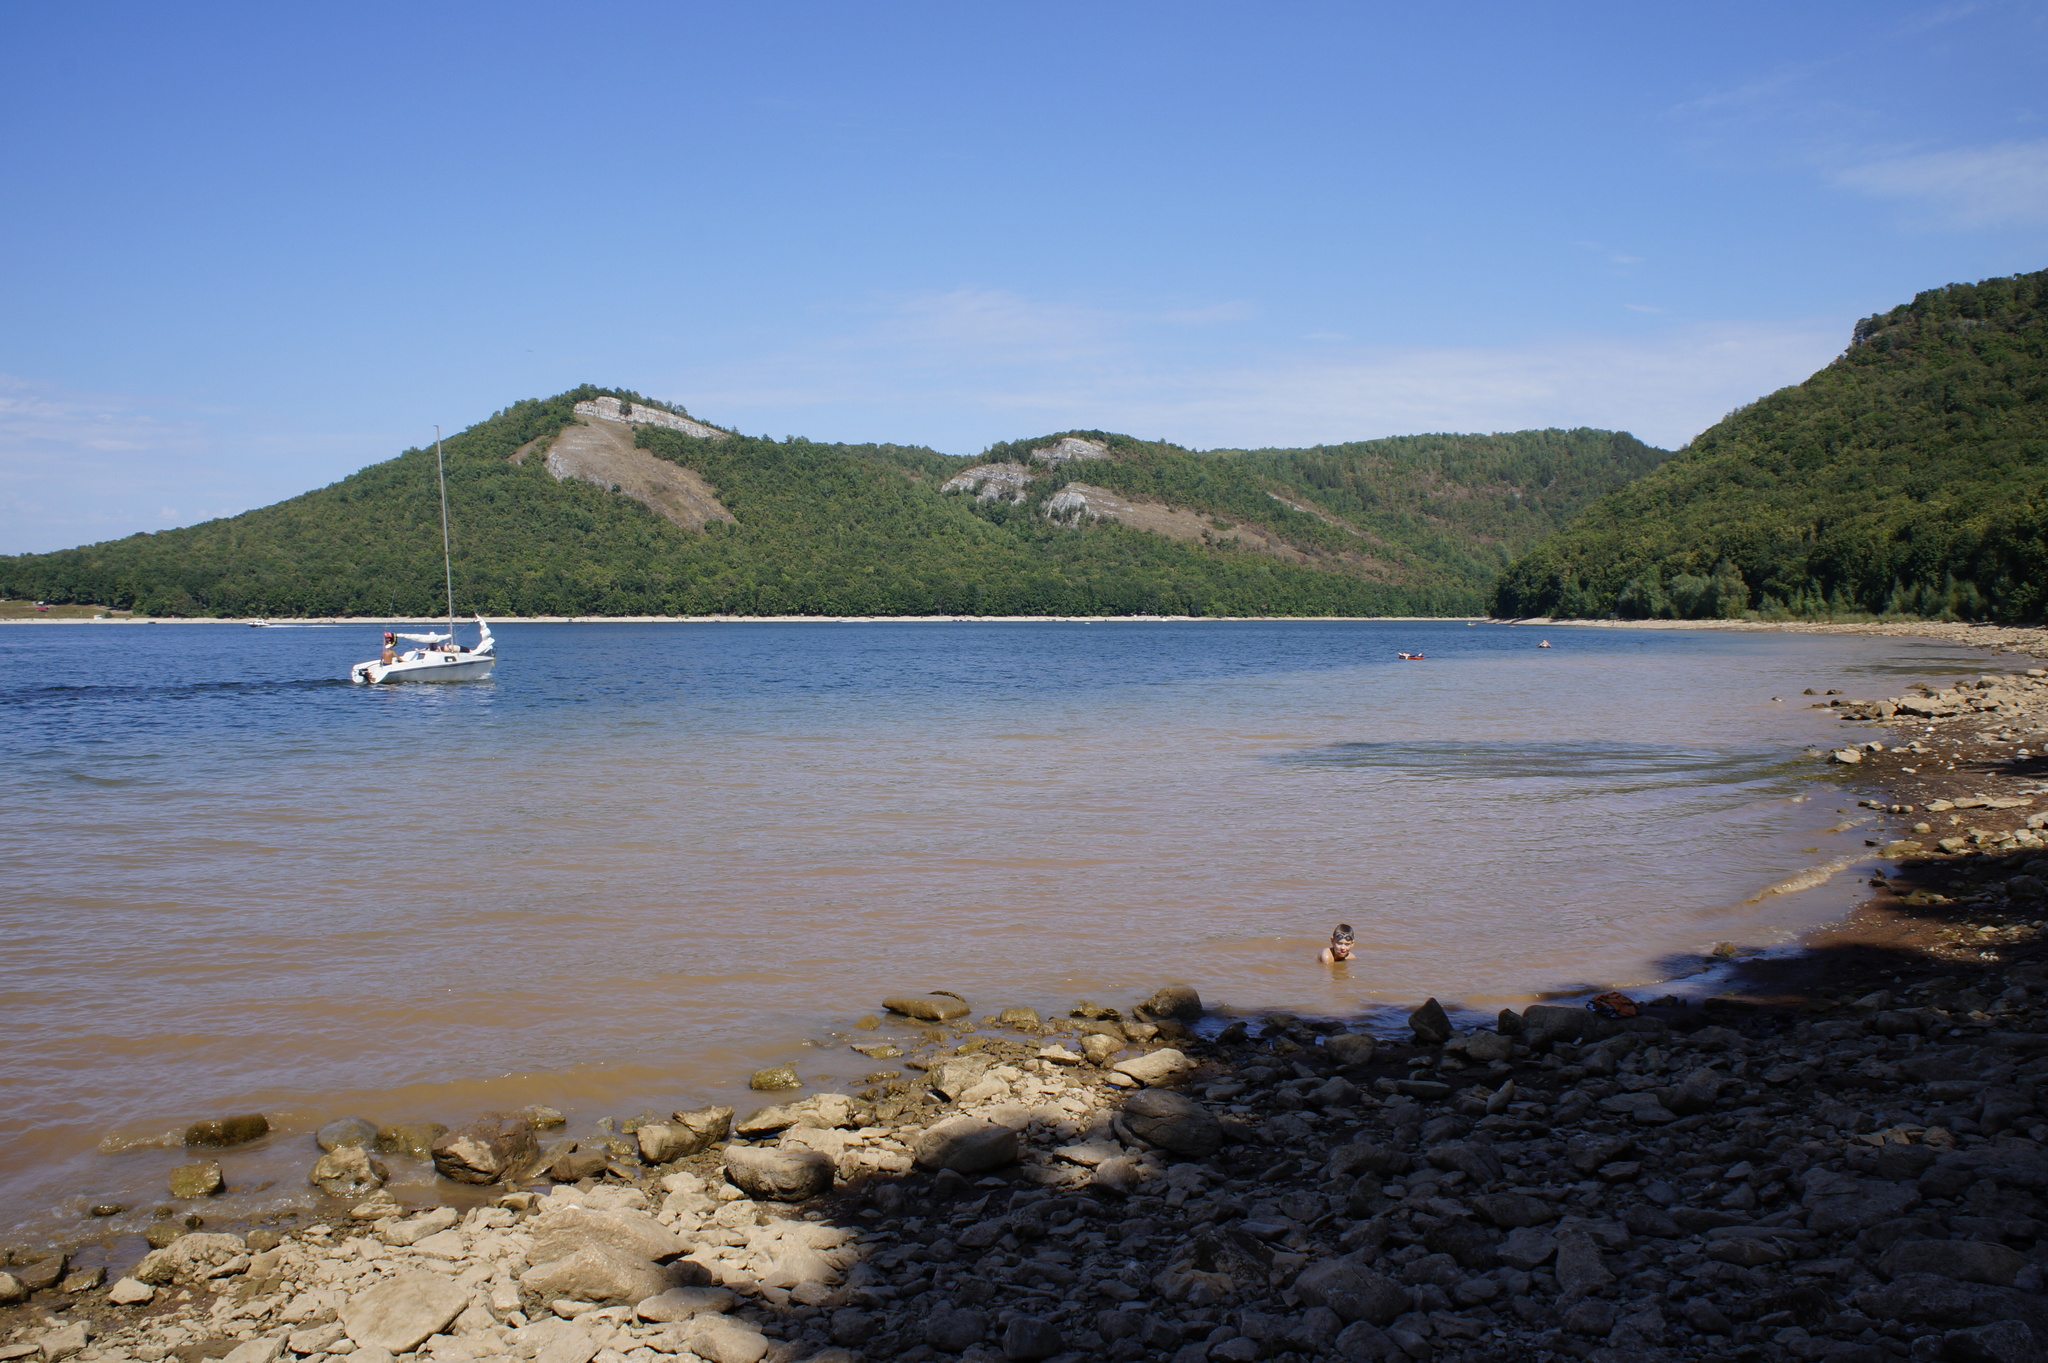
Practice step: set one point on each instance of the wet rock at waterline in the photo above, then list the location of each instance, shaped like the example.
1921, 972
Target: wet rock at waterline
483, 1152
1432, 1027
348, 1171
415, 1140
226, 1131
933, 1007
775, 1078
196, 1180
346, 1131
685, 1133
1174, 1001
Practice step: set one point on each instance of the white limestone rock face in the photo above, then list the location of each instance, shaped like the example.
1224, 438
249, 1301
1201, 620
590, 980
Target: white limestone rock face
988, 482
632, 414
1070, 448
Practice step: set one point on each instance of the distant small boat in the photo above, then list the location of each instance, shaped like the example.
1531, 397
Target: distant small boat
1544, 644
1411, 657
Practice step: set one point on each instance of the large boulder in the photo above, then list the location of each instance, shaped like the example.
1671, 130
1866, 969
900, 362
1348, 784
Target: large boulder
820, 1110
400, 1313
778, 1175
966, 1145
223, 1131
638, 1235
483, 1152
189, 1259
685, 1133
1174, 1001
1172, 1122
347, 1171
1352, 1290
1155, 1067
594, 1271
1431, 1025
938, 1006
1544, 1023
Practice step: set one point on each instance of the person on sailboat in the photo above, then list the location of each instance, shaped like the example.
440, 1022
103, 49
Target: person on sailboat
1341, 945
390, 654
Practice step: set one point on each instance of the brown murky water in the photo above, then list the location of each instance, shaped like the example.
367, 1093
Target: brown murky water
647, 859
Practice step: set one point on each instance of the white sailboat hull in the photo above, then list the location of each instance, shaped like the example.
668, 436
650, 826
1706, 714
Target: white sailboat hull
435, 667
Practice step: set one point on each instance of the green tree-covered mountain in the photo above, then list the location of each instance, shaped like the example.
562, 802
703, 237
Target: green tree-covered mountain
1909, 477
1387, 527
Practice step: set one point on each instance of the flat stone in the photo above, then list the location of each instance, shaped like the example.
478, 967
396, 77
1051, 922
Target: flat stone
596, 1272
955, 1330
966, 1145
1351, 1048
635, 1234
1060, 1055
1090, 1153
347, 1171
401, 1312
64, 1341
1837, 1202
415, 1229
1155, 1067
681, 1303
1352, 1290
778, 1175
1928, 1299
1970, 1261
131, 1292
1511, 1211
190, 1259
196, 1180
720, 1340
1641, 1108
934, 1007
1027, 1339
878, 1050
262, 1349
226, 1131
1525, 1248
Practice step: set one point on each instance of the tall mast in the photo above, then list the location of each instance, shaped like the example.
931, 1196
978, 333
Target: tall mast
447, 561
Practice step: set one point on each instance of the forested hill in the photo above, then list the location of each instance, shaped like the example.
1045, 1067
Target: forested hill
1909, 477
631, 507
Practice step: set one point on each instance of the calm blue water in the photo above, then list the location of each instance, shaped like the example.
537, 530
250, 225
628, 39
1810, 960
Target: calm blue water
645, 859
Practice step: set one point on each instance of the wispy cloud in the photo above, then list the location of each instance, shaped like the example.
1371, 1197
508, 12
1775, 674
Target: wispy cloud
77, 467
1967, 187
959, 370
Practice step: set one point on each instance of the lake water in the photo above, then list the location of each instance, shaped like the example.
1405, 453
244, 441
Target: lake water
647, 859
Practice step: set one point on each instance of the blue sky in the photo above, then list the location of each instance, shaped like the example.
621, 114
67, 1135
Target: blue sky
249, 249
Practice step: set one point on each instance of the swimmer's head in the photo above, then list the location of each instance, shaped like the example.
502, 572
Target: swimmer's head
1342, 936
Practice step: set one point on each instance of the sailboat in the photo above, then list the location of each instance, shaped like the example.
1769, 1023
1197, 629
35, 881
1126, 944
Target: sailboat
439, 658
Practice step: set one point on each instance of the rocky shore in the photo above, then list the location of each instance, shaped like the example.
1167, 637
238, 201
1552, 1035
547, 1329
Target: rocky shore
1844, 1159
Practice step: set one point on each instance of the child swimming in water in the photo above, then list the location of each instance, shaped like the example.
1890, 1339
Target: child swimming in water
1341, 943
